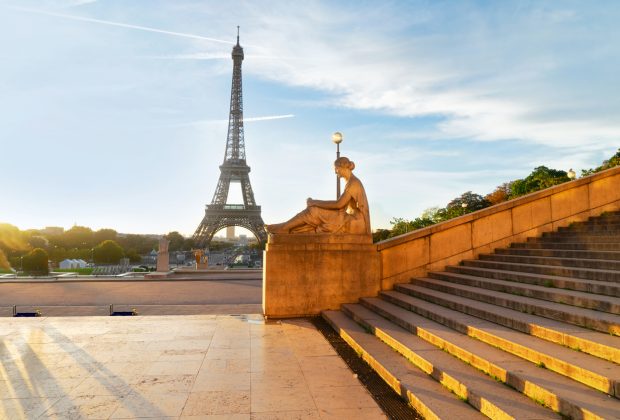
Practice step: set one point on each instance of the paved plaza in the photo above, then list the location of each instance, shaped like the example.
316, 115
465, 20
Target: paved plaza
198, 366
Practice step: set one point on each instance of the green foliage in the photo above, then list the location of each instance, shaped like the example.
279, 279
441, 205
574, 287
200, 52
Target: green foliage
380, 235
36, 241
466, 203
104, 235
108, 252
36, 262
133, 255
607, 164
142, 244
86, 271
541, 178
78, 237
177, 241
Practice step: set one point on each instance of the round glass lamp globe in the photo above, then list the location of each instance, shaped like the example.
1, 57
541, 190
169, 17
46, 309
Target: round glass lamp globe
337, 137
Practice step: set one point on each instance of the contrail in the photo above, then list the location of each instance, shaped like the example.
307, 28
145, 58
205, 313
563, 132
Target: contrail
122, 25
250, 119
272, 117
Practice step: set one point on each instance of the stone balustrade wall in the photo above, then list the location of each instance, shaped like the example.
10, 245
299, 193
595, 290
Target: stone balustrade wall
432, 248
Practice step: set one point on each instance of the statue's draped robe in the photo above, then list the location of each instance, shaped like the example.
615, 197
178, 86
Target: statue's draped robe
353, 219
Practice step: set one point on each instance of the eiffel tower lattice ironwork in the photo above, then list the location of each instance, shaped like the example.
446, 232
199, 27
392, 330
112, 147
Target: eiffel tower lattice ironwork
219, 214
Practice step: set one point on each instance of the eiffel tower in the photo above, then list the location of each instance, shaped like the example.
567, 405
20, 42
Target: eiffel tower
219, 214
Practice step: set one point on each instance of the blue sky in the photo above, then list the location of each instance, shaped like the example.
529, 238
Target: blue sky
114, 112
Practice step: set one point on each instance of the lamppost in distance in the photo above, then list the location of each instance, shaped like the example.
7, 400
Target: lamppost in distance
337, 138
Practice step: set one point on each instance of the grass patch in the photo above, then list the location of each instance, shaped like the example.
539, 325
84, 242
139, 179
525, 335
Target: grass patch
84, 271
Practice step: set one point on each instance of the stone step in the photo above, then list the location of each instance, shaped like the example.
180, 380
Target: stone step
608, 217
599, 374
583, 285
600, 236
568, 297
592, 246
490, 397
591, 342
424, 393
576, 238
596, 320
554, 261
562, 394
582, 273
591, 227
562, 253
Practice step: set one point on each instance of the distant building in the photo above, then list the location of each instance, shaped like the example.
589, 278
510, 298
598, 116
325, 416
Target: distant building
243, 239
52, 230
230, 233
72, 263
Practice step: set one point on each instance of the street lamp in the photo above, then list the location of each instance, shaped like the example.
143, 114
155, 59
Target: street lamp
571, 174
337, 138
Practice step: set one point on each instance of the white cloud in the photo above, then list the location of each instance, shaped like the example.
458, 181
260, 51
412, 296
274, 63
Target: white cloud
489, 82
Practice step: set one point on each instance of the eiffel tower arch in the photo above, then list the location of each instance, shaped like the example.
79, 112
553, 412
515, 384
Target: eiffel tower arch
235, 169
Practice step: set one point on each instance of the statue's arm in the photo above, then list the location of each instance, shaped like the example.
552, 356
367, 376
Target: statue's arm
331, 204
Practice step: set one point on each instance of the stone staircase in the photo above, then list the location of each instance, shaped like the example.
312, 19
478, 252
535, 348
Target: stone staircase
528, 332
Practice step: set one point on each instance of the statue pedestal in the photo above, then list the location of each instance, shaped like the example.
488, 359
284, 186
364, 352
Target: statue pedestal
306, 274
201, 266
163, 262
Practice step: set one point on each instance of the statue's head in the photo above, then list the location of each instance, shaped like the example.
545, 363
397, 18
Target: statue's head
343, 167
345, 163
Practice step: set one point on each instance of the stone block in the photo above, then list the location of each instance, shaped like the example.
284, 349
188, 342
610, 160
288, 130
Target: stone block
531, 215
306, 274
405, 257
450, 242
491, 228
604, 191
569, 202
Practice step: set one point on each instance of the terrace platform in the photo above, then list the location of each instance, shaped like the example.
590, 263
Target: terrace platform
200, 366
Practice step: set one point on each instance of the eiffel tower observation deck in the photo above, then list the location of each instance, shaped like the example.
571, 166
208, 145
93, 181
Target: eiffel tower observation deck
220, 214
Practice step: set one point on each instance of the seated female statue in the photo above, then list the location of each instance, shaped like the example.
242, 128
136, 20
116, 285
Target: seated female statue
348, 214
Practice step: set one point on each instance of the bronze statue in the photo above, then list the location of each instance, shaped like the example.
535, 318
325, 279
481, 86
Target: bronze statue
349, 214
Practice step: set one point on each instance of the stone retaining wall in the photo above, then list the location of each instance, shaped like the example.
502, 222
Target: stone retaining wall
432, 248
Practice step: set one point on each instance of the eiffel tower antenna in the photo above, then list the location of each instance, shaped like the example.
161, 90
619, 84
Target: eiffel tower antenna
219, 214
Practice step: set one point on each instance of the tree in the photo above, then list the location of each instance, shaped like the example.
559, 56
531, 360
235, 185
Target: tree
467, 202
607, 164
78, 237
36, 241
36, 262
380, 235
177, 241
540, 178
133, 255
104, 234
500, 194
12, 243
108, 252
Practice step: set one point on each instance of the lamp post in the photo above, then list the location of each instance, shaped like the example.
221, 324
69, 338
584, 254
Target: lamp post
571, 174
337, 138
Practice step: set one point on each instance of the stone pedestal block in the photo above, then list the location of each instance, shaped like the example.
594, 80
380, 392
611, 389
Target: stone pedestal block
306, 274
163, 262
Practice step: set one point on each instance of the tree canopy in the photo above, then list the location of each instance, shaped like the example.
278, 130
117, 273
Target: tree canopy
36, 262
108, 252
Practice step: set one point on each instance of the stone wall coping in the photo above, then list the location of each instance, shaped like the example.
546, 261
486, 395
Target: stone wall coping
318, 238
439, 227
